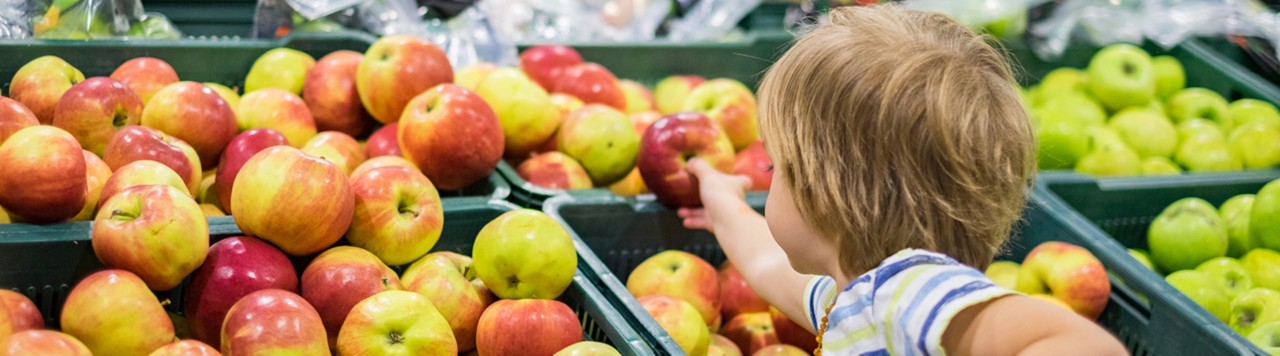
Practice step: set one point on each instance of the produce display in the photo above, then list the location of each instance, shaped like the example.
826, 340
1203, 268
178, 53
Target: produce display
1130, 114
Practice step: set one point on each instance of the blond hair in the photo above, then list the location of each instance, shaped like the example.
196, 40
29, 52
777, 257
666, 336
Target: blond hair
899, 129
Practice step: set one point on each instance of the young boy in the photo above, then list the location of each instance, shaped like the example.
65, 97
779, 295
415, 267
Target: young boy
897, 139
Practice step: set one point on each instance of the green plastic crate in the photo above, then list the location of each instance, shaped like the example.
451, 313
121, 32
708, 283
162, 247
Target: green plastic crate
45, 262
624, 232
1121, 210
1225, 48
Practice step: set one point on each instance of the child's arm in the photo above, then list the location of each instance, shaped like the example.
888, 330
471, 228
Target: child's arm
744, 236
1025, 326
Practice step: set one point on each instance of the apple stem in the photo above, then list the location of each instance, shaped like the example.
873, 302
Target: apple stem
122, 215
395, 338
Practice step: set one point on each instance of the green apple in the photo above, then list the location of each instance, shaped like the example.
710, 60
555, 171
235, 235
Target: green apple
1186, 234
1121, 76
283, 68
1267, 338
1264, 266
1203, 290
1199, 128
1207, 155
603, 140
1148, 133
1264, 220
525, 254
1156, 106
528, 118
1199, 103
1253, 110
1010, 26
1060, 143
1142, 257
1257, 144
1257, 306
1170, 78
1111, 160
1159, 166
1230, 273
1062, 81
1235, 213
1004, 273
1072, 106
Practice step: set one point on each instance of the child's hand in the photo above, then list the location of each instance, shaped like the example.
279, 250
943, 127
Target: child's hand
721, 194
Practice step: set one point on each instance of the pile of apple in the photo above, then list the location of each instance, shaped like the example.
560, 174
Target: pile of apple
1130, 114
1224, 259
1060, 273
574, 126
693, 301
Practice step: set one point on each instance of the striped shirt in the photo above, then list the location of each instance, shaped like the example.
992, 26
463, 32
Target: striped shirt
900, 308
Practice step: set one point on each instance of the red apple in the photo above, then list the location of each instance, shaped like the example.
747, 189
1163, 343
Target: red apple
241, 148
781, 350
671, 92
754, 163
114, 313
96, 175
545, 64
383, 161
791, 333
448, 279
681, 275
554, 170
751, 331
138, 173
1068, 272
527, 327
39, 85
14, 117
145, 76
396, 323
280, 181
135, 143
277, 109
384, 142
186, 348
154, 231
680, 320
43, 343
273, 321
44, 175
341, 277
395, 70
722, 346
452, 135
593, 84
338, 148
17, 314
234, 267
330, 93
736, 297
195, 114
94, 109
398, 214
731, 105
664, 149
639, 99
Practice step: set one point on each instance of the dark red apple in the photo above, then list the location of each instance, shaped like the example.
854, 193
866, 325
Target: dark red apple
133, 143
666, 148
593, 84
736, 297
235, 267
241, 148
384, 142
791, 333
330, 93
545, 63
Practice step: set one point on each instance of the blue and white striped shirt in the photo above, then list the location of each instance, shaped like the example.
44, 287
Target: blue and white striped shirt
900, 308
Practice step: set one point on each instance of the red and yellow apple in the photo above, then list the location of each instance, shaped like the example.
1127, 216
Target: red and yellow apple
722, 346
93, 110
230, 95
525, 110
396, 322
781, 350
155, 231
665, 149
136, 143
241, 148
96, 175
384, 142
681, 275
554, 170
17, 314
603, 140
588, 348
383, 161
545, 64
280, 181
751, 331
336, 147
44, 179
670, 93
753, 162
525, 254
114, 313
13, 117
395, 70
565, 104
278, 110
339, 278
731, 105
331, 96
138, 173
470, 76
527, 327
449, 280
452, 135
736, 296
631, 185
593, 84
273, 322
43, 343
196, 115
186, 348
680, 320
283, 68
398, 214
639, 99
1069, 273
40, 83
145, 76
234, 267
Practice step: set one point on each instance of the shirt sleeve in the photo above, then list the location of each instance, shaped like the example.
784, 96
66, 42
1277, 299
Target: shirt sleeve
818, 294
934, 294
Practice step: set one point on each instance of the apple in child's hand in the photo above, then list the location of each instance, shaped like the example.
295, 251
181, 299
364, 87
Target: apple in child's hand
1229, 273
1202, 289
781, 350
1121, 76
383, 142
751, 331
155, 231
186, 348
93, 110
273, 321
1170, 77
341, 277
722, 346
680, 320
789, 332
670, 93
470, 76
331, 96
279, 110
1200, 103
1068, 272
17, 314
138, 173
527, 327
283, 68
97, 173
1004, 273
588, 348
593, 84
382, 161
195, 114
234, 267
754, 163
639, 99
680, 275
1235, 212
396, 322
14, 117
1256, 144
280, 181
136, 143
449, 280
666, 148
40, 83
241, 148
525, 110
545, 64
395, 70
525, 254
603, 140
1254, 307
42, 342
398, 214
736, 296
114, 313
554, 170
1247, 110
1264, 266
44, 177
452, 135
145, 76
336, 147
1186, 234
731, 105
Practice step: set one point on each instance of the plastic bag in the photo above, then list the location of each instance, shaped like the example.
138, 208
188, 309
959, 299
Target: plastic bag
710, 19
1000, 18
88, 19
15, 18
314, 9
